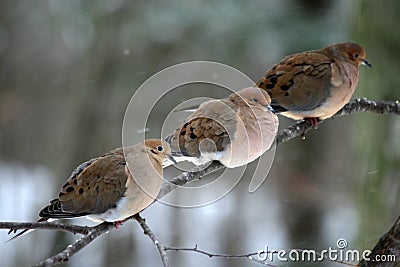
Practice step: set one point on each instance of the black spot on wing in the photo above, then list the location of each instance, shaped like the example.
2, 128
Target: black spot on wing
273, 80
287, 86
70, 189
270, 86
284, 87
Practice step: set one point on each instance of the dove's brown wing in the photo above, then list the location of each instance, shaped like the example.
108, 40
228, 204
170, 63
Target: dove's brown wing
300, 82
214, 119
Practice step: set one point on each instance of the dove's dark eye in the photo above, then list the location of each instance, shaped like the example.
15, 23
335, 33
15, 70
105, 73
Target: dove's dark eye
160, 148
356, 55
255, 100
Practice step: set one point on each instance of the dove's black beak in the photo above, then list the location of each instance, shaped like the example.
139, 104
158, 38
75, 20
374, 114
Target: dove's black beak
366, 63
171, 158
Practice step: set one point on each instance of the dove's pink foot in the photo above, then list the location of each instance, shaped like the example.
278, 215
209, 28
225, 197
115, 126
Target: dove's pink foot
117, 224
314, 121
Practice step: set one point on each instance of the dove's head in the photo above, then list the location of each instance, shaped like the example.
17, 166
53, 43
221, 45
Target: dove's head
159, 149
252, 95
352, 52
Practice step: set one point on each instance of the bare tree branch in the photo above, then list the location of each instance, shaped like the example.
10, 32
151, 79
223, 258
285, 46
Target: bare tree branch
187, 177
91, 234
71, 250
299, 129
75, 229
355, 105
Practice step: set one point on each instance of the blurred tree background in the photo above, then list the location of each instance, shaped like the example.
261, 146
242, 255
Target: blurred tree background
69, 68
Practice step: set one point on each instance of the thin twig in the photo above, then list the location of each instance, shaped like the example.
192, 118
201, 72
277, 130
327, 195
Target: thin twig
250, 255
211, 255
147, 231
217, 255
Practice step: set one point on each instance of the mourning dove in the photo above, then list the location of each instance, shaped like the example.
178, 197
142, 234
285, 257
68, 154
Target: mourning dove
315, 84
104, 189
235, 130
